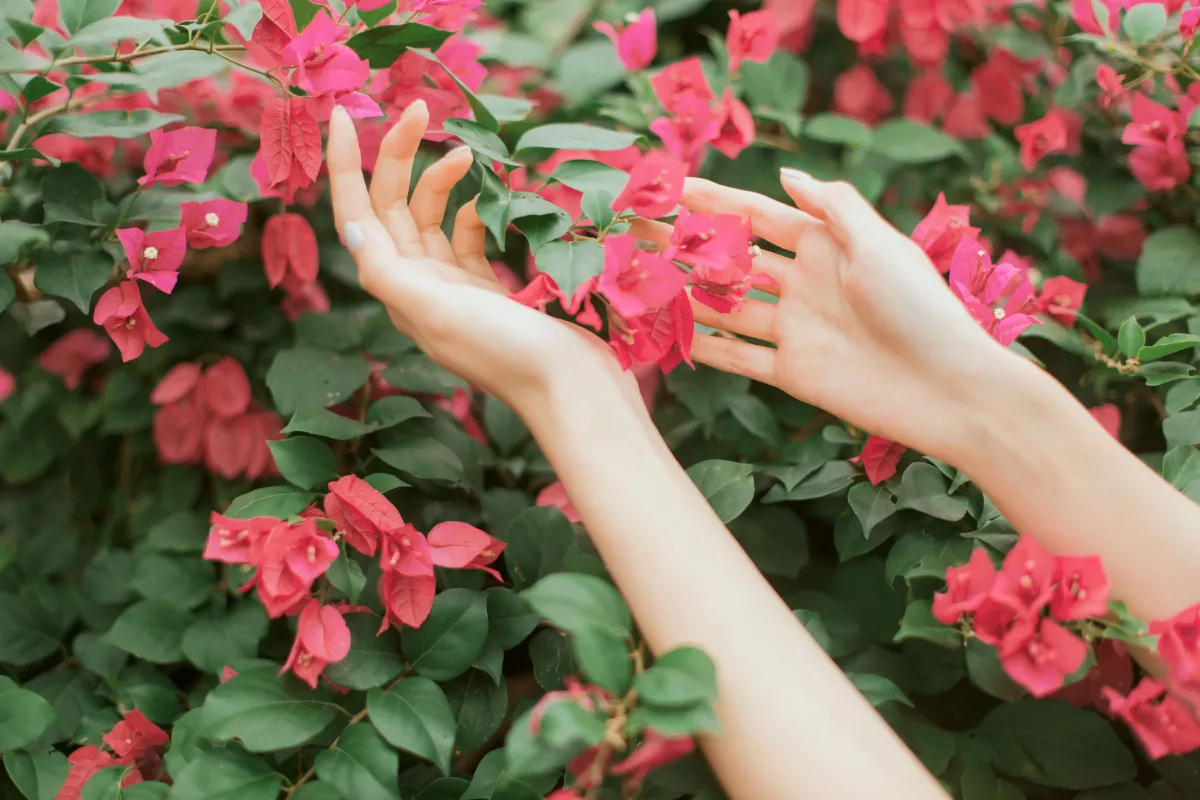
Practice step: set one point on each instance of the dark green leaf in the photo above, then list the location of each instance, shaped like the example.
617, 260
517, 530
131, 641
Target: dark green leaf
24, 716
78, 14
220, 640
269, 501
878, 689
373, 659
383, 45
73, 276
304, 461
347, 576
727, 485
481, 140
575, 136
679, 678
220, 774
182, 581
919, 623
416, 717
117, 124
570, 264
908, 142
574, 603
1131, 337
389, 412
265, 711
1167, 264
151, 629
450, 638
310, 378
424, 459
323, 422
538, 541
37, 776
362, 766
924, 488
871, 504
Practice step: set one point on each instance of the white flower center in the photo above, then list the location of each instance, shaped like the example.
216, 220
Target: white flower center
632, 17
150, 253
212, 219
998, 313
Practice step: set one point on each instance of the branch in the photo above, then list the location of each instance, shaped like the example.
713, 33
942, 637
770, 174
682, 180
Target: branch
127, 57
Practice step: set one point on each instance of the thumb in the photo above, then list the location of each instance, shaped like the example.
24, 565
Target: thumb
847, 213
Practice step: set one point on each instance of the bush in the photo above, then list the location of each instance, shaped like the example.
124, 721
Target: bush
255, 541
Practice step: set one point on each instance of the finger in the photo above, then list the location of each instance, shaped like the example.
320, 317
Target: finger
846, 212
733, 355
753, 318
777, 223
429, 200
469, 242
659, 234
393, 174
361, 231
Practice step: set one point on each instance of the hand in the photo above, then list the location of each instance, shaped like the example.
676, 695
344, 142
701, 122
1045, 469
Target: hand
864, 327
442, 292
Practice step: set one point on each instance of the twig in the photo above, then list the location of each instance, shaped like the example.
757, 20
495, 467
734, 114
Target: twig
127, 57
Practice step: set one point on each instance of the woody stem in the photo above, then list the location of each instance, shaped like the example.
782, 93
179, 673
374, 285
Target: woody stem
128, 57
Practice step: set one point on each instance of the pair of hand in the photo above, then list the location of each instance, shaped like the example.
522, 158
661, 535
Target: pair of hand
864, 326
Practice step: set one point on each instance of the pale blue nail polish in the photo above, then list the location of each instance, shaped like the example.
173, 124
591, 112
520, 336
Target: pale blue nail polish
353, 235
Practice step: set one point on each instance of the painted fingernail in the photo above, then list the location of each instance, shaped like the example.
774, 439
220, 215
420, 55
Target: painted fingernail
797, 176
353, 235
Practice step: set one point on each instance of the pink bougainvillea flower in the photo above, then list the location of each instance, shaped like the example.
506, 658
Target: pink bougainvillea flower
178, 384
213, 223
1179, 643
236, 541
229, 445
1109, 81
862, 20
637, 281
361, 512
927, 97
322, 638
85, 762
179, 430
226, 388
1160, 168
879, 458
323, 66
964, 118
1084, 14
134, 737
686, 134
404, 550
997, 84
941, 231
1151, 123
290, 144
73, 354
1164, 727
654, 751
289, 249
1109, 417
1113, 670
179, 156
858, 93
154, 257
273, 32
8, 384
1081, 588
683, 79
264, 426
406, 599
1039, 655
735, 131
1120, 236
1026, 582
289, 559
663, 336
636, 40
654, 187
967, 587
752, 37
982, 286
1050, 134
556, 495
458, 545
1060, 297
927, 45
303, 298
120, 312
459, 405
1189, 21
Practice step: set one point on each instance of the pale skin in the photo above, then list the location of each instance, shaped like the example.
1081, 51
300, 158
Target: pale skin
866, 329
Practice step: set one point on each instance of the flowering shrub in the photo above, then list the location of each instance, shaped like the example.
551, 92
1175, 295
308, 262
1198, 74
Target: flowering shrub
254, 542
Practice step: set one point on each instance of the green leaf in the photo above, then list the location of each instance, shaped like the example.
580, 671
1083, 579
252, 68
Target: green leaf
986, 672
908, 142
323, 422
111, 30
878, 689
1163, 372
37, 88
304, 461
1168, 345
27, 154
451, 637
117, 124
1167, 264
575, 136
727, 485
73, 276
307, 377
227, 774
679, 678
373, 659
37, 776
1144, 22
182, 581
779, 86
482, 115
871, 504
383, 45
152, 630
481, 140
389, 412
756, 417
347, 576
837, 129
1052, 743
1131, 337
416, 717
538, 541
265, 711
416, 373
27, 33
924, 488
675, 721
169, 70
424, 458
919, 623
573, 602
16, 236
222, 639
570, 264
269, 501
590, 176
362, 766
831, 477
480, 704
506, 109
78, 14
918, 554
537, 218
24, 716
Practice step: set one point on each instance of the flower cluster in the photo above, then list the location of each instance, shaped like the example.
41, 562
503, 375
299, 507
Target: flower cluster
208, 415
1018, 609
290, 556
135, 742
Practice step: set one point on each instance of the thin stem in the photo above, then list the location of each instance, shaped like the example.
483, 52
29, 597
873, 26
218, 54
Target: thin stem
128, 57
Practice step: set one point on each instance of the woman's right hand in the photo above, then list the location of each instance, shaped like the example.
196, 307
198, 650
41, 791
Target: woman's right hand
864, 327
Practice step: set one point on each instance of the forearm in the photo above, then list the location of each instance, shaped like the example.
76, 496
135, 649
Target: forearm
1057, 475
792, 725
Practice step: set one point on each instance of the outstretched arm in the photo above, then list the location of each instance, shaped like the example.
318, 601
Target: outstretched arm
792, 723
866, 329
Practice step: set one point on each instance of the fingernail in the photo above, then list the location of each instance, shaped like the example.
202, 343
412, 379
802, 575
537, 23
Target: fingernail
353, 235
797, 176
414, 107
460, 149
